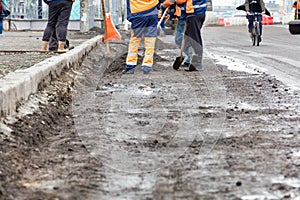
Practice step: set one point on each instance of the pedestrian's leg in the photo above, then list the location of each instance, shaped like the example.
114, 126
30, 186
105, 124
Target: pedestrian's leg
1, 26
53, 43
62, 24
52, 20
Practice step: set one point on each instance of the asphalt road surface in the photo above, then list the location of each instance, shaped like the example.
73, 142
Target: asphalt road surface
278, 53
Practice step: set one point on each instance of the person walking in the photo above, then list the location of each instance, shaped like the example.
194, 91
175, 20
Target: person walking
58, 18
195, 16
143, 17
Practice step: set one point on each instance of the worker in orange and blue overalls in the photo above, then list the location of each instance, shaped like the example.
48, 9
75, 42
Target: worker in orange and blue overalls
296, 6
143, 17
195, 16
179, 13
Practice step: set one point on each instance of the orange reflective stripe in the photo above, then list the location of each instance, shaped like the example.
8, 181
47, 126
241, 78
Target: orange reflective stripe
142, 5
177, 11
189, 6
149, 51
180, 1
132, 56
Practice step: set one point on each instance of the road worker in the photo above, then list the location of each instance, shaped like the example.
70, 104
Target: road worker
143, 17
195, 16
179, 13
296, 6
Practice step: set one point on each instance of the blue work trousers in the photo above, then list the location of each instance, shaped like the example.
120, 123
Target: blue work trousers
179, 33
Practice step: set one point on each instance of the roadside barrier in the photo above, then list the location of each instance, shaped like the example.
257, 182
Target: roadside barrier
267, 20
221, 21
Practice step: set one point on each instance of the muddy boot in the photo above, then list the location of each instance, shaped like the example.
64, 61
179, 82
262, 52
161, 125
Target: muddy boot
196, 63
61, 47
44, 46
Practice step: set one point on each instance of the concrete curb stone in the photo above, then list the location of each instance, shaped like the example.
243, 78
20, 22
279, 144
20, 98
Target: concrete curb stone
17, 86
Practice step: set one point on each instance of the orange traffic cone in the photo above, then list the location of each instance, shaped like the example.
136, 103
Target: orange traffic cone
112, 32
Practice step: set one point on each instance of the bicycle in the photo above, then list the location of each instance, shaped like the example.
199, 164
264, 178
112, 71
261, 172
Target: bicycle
256, 36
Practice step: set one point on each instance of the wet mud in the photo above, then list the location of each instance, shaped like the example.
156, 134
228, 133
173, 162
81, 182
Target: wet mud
216, 134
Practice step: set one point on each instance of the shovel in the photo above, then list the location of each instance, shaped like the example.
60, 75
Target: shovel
105, 27
180, 58
162, 18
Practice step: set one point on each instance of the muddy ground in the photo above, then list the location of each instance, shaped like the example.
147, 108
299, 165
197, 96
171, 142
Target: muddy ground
16, 41
97, 134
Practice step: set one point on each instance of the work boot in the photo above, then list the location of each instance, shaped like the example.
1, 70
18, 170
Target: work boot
196, 64
44, 46
61, 47
129, 69
146, 69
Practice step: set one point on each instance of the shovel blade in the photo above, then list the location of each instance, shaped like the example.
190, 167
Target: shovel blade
178, 62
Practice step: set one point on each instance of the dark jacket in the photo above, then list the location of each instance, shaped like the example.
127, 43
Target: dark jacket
255, 6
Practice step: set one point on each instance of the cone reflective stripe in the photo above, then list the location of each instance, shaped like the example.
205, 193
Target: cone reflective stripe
149, 51
112, 32
133, 48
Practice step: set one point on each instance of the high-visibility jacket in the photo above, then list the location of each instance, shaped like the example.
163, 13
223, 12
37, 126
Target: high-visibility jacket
135, 8
193, 6
179, 9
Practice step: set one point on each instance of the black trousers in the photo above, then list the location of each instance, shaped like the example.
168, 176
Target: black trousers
53, 43
59, 15
193, 39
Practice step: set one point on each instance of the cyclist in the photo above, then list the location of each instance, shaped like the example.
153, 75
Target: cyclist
254, 6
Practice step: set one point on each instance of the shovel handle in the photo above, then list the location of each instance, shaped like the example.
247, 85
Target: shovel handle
105, 26
162, 17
